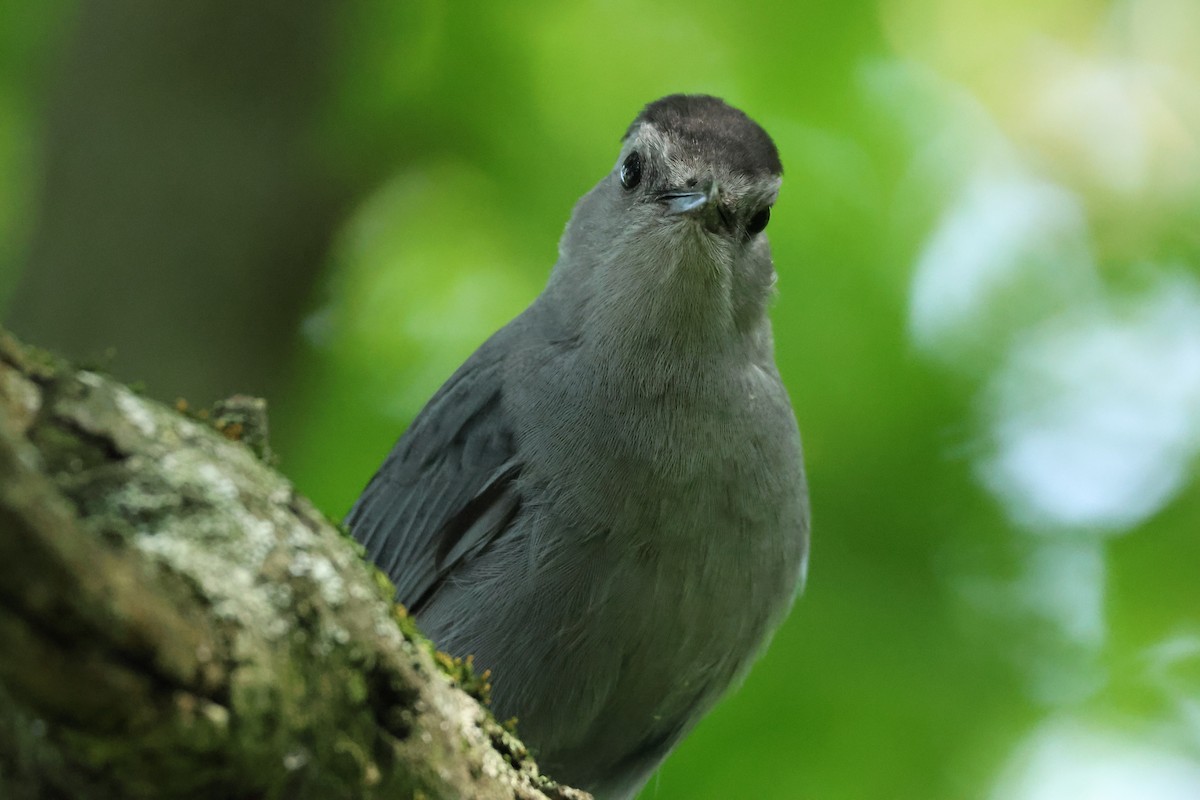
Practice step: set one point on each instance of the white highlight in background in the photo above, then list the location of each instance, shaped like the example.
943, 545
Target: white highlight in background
1064, 760
1095, 416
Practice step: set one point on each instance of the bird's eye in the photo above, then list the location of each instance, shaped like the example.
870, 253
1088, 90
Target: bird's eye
759, 221
631, 170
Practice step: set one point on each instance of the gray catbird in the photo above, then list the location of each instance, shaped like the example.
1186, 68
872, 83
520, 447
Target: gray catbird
606, 503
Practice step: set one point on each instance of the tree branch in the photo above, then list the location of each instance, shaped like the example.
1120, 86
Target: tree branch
176, 622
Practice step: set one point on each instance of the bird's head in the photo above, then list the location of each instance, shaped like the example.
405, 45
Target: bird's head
674, 234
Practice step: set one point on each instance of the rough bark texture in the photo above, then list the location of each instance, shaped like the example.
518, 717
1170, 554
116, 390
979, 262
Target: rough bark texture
176, 622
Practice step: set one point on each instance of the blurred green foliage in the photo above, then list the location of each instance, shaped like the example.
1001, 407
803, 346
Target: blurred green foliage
987, 319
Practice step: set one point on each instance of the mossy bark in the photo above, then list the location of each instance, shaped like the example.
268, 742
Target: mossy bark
176, 622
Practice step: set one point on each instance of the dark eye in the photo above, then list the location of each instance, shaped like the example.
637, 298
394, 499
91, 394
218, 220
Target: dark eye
759, 221
631, 170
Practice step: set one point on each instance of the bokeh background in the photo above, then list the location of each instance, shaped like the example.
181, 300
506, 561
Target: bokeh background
988, 243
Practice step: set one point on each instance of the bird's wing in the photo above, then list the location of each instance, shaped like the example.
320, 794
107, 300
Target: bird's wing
448, 487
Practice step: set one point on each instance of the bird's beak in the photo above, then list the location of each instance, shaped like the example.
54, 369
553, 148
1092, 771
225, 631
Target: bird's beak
691, 202
704, 203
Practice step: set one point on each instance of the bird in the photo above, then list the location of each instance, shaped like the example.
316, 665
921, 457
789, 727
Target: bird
606, 504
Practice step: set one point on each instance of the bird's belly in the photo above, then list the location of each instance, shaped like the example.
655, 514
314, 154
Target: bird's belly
618, 608
637, 632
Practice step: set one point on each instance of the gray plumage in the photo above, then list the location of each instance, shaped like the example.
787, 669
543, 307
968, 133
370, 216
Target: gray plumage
606, 503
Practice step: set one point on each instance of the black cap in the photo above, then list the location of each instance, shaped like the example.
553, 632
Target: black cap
716, 129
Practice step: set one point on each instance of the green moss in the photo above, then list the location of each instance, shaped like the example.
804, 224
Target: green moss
462, 672
34, 362
382, 582
404, 620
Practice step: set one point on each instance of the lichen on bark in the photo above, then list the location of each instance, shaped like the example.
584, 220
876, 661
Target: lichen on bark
176, 622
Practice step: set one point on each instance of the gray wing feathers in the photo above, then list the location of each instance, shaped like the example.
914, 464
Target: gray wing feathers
448, 487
